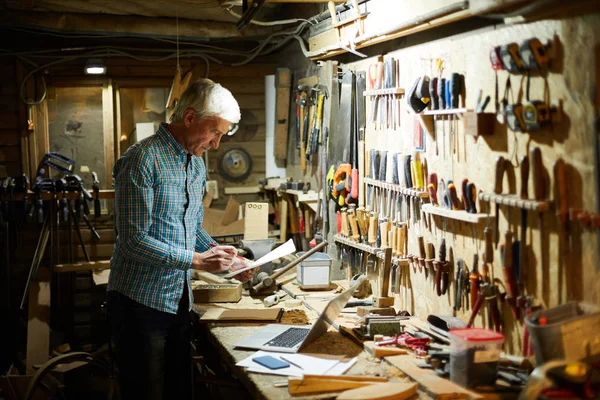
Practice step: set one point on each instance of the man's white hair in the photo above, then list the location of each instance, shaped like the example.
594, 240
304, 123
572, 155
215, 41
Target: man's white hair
209, 100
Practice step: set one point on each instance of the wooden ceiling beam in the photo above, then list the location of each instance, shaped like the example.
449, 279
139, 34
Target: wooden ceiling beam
115, 25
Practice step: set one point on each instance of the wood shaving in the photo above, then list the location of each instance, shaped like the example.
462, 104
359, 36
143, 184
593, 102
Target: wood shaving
294, 317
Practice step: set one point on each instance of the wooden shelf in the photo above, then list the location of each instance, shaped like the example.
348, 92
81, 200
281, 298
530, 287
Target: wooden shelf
396, 188
360, 246
513, 200
367, 248
459, 215
381, 92
449, 111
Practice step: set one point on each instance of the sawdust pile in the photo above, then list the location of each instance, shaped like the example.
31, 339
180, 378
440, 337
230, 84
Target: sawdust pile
294, 317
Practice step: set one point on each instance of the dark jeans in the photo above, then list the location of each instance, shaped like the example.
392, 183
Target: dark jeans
152, 349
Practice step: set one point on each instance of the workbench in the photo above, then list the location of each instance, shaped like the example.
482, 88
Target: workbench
223, 335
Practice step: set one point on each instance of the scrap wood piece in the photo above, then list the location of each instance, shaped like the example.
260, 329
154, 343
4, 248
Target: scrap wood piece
381, 391
312, 384
437, 387
178, 87
242, 314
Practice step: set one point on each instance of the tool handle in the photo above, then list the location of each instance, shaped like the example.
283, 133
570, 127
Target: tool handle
500, 168
97, 208
432, 195
430, 251
561, 183
476, 307
455, 89
332, 13
453, 197
421, 242
508, 267
474, 288
373, 222
489, 244
383, 229
524, 166
424, 173
471, 198
407, 172
353, 226
441, 91
537, 168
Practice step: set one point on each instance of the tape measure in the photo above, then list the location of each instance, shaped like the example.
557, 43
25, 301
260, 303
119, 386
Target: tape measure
533, 54
495, 59
514, 117
509, 53
535, 114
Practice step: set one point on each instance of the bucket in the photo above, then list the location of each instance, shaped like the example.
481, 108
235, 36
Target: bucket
570, 332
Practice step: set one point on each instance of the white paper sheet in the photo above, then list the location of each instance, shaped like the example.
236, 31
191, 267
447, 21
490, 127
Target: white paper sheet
309, 364
282, 251
341, 367
101, 277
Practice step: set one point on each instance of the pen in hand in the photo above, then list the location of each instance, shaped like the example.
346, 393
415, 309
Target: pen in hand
290, 362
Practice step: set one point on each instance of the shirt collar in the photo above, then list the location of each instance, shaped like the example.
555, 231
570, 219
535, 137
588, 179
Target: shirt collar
164, 133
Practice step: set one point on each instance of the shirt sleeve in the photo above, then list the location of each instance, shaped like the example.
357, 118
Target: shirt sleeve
134, 196
203, 239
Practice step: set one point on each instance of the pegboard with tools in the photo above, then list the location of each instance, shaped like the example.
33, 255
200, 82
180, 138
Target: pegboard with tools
490, 202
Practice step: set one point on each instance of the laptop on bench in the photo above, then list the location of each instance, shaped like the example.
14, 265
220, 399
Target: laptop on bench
291, 338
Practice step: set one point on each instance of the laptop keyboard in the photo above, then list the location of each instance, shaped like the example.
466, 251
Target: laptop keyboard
288, 338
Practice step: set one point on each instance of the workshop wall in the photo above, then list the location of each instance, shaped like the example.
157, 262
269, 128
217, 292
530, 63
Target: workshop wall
18, 146
555, 274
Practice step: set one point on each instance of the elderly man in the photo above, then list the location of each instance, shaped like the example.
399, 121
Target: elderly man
159, 184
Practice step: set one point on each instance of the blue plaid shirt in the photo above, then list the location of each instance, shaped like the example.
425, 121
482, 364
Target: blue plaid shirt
158, 206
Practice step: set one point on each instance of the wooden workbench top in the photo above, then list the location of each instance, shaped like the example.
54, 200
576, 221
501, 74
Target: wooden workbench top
223, 336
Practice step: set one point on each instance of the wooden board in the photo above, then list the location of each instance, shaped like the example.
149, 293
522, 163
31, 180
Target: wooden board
283, 80
244, 314
217, 293
82, 266
430, 382
381, 391
38, 325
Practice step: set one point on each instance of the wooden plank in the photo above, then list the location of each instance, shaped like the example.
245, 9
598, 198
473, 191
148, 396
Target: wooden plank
9, 154
242, 190
82, 266
459, 215
9, 120
10, 169
9, 137
38, 329
251, 101
283, 81
108, 121
435, 386
217, 293
381, 391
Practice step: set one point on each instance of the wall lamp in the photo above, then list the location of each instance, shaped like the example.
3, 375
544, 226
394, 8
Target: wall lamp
95, 67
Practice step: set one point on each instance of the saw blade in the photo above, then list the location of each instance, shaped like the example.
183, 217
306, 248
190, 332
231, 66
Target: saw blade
235, 164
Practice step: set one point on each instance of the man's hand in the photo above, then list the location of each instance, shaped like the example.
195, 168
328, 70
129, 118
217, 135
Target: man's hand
218, 258
243, 276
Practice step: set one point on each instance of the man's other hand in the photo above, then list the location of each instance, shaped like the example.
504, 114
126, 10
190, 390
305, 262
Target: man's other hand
218, 258
243, 276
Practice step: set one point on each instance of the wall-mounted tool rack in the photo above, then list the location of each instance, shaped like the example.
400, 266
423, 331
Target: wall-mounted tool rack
516, 201
384, 92
459, 215
377, 251
396, 188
